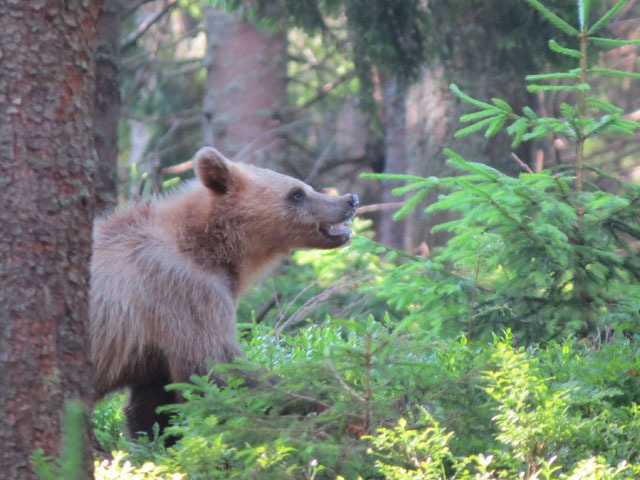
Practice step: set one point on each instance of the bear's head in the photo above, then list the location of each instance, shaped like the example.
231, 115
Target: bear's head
275, 213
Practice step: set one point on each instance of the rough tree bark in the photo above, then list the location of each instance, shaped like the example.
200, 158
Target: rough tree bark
246, 85
107, 103
47, 167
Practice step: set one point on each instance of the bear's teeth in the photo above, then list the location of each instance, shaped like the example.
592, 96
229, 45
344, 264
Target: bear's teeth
339, 228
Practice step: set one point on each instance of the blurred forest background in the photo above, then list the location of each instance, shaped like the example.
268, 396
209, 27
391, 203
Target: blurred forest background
325, 90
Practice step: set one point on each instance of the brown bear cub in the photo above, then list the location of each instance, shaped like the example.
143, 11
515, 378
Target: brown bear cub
166, 275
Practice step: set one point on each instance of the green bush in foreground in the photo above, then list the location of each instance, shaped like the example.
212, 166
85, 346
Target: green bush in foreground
397, 406
548, 253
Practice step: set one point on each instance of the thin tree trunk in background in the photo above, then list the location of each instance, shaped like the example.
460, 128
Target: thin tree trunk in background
107, 104
392, 232
374, 142
431, 125
246, 86
47, 200
432, 120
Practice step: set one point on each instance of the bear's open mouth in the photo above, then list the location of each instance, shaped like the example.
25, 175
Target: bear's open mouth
336, 229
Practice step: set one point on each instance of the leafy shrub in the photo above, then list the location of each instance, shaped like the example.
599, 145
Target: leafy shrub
520, 406
119, 468
532, 254
404, 453
358, 400
548, 253
109, 423
542, 426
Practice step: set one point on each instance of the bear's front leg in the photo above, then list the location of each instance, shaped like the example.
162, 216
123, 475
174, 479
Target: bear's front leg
142, 403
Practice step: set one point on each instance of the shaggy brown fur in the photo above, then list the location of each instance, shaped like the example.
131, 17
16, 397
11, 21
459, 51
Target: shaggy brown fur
166, 275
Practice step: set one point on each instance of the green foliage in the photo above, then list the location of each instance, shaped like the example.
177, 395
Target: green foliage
293, 423
121, 469
109, 423
547, 253
308, 47
514, 33
391, 35
555, 19
558, 260
543, 427
533, 418
575, 124
69, 465
407, 453
344, 388
316, 283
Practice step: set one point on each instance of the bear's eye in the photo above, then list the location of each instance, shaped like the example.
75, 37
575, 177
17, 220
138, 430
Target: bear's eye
297, 195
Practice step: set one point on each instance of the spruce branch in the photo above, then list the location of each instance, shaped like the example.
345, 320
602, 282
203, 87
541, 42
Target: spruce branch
610, 43
534, 88
504, 211
472, 302
572, 74
582, 111
584, 7
463, 96
554, 19
615, 73
607, 16
570, 52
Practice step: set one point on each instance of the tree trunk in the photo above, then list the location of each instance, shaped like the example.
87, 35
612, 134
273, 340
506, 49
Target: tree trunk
394, 98
431, 125
46, 209
433, 117
107, 104
246, 87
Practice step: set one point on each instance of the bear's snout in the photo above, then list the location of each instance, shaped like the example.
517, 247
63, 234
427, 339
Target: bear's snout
335, 219
354, 201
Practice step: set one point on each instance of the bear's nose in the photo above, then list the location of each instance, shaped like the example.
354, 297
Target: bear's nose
354, 201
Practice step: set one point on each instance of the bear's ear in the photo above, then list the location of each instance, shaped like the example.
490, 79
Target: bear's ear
214, 170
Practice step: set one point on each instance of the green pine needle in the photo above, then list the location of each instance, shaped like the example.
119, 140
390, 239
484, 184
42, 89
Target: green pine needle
495, 126
392, 176
554, 19
607, 16
534, 88
475, 127
583, 13
554, 76
610, 43
460, 94
570, 52
615, 73
502, 105
470, 117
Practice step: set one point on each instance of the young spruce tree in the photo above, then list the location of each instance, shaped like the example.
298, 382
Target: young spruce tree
549, 252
